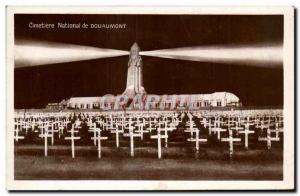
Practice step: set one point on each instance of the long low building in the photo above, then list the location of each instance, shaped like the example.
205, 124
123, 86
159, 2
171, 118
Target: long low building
144, 101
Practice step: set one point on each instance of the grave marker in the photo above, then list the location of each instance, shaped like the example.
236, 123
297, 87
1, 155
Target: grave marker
159, 137
72, 138
117, 131
131, 134
99, 138
197, 139
231, 141
268, 139
45, 135
17, 137
246, 131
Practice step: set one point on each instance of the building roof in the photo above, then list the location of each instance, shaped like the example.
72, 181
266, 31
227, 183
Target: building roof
230, 97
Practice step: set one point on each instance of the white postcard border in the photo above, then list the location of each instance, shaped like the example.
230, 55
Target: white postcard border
288, 167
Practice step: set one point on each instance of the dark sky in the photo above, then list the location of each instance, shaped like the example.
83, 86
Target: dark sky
255, 86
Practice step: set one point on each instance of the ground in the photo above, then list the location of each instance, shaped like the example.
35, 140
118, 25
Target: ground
177, 163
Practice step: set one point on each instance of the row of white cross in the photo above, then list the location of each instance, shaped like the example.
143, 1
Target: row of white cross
117, 124
237, 127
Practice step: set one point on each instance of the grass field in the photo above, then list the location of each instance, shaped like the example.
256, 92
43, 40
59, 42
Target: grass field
178, 163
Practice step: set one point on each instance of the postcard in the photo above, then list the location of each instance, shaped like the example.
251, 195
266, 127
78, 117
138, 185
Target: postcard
150, 98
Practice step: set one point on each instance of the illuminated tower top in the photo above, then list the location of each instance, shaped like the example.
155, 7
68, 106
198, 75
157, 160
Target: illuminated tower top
135, 49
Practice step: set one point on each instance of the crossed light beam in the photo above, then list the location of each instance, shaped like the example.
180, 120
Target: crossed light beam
255, 55
31, 53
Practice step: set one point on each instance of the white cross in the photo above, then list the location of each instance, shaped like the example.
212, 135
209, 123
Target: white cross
131, 134
99, 138
218, 130
43, 126
231, 140
166, 129
159, 137
277, 130
56, 123
191, 131
191, 127
109, 124
152, 122
17, 136
52, 131
262, 126
112, 126
279, 120
209, 126
221, 121
61, 129
128, 123
45, 135
237, 128
204, 122
268, 139
26, 126
197, 139
100, 122
257, 121
246, 131
72, 138
217, 122
229, 123
117, 131
141, 130
93, 129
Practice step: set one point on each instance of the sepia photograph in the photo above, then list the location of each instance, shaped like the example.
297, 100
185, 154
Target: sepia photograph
150, 99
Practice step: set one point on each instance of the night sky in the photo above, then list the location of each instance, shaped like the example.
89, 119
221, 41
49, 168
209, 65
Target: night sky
255, 86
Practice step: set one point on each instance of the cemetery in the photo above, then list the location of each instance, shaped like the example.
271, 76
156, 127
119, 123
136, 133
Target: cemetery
149, 145
143, 136
176, 100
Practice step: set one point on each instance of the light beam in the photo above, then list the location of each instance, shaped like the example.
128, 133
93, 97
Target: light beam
30, 53
257, 55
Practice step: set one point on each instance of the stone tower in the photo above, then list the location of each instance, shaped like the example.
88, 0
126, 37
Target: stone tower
134, 74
